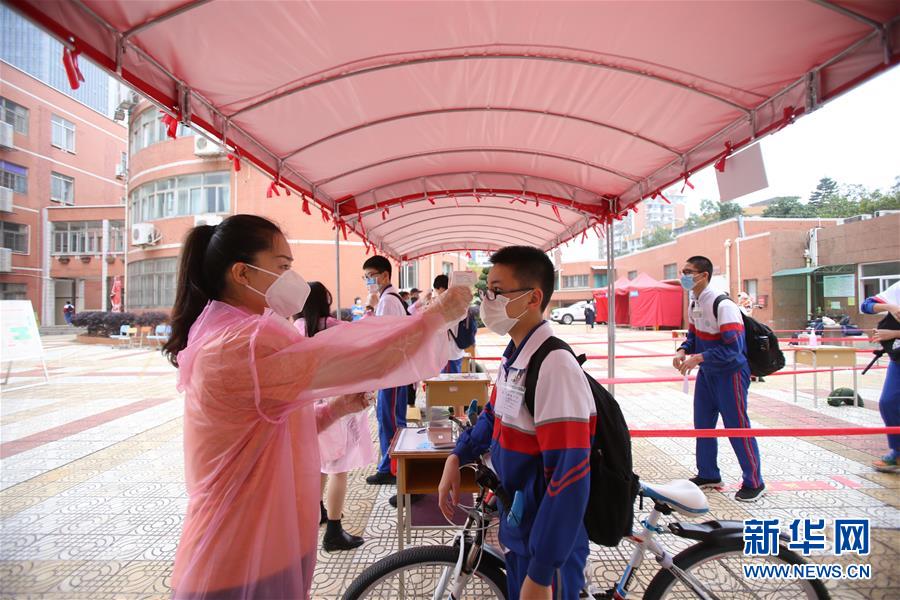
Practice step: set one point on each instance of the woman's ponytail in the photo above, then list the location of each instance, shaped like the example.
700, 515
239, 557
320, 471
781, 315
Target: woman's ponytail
206, 257
193, 292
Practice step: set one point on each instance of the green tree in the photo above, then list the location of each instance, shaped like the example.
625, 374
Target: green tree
481, 284
658, 236
826, 188
786, 206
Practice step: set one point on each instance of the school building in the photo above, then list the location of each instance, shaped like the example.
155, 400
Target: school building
793, 268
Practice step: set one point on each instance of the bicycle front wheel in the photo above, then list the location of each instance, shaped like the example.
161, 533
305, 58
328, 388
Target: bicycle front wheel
719, 569
418, 573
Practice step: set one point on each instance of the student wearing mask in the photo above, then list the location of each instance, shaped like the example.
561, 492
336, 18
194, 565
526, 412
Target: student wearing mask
543, 459
462, 330
250, 382
344, 445
715, 344
888, 301
358, 311
392, 401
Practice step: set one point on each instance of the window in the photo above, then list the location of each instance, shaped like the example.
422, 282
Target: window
148, 129
178, 196
151, 283
670, 271
751, 286
575, 281
62, 188
600, 280
13, 291
446, 268
15, 236
77, 237
874, 278
409, 275
14, 177
632, 275
15, 115
62, 133
117, 236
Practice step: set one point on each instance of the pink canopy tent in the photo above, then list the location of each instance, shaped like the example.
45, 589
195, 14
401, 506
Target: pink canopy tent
621, 302
447, 126
652, 303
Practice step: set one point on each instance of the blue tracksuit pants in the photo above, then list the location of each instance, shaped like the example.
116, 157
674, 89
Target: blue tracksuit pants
567, 583
391, 413
725, 394
453, 366
889, 404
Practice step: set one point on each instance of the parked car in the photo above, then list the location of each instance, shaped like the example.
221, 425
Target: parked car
569, 314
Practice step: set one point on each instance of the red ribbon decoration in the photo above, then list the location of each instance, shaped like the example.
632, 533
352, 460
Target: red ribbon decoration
656, 194
343, 229
273, 189
324, 215
686, 182
235, 158
468, 255
73, 72
305, 207
171, 124
430, 199
720, 164
556, 212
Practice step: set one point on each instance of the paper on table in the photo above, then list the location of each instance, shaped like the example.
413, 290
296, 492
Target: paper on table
463, 278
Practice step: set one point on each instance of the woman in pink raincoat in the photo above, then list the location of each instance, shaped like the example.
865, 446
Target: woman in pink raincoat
250, 428
344, 445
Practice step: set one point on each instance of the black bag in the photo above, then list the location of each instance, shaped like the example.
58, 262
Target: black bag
465, 333
763, 354
614, 485
402, 301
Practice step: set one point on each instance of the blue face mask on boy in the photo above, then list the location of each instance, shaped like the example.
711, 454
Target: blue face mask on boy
687, 281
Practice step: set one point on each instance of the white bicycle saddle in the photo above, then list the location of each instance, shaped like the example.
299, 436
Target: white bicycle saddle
682, 495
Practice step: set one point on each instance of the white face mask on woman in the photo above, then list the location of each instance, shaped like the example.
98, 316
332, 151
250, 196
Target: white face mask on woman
493, 313
287, 295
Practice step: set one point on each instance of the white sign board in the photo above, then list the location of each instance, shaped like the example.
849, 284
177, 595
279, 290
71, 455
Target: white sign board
19, 337
838, 286
744, 173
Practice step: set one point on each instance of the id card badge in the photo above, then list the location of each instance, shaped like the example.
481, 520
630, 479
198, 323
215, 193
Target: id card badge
510, 400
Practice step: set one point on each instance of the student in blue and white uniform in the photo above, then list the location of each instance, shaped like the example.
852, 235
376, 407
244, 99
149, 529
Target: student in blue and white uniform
716, 346
392, 402
889, 403
544, 459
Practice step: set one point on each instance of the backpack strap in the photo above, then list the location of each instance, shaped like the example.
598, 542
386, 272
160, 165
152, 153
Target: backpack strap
402, 303
534, 366
716, 304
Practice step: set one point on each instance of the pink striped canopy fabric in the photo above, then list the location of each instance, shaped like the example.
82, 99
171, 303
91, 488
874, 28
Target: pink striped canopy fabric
436, 126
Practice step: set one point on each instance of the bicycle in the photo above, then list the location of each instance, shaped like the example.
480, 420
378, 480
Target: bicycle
710, 569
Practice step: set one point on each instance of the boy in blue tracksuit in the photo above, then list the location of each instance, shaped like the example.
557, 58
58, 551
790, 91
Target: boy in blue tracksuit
544, 459
889, 402
716, 345
390, 408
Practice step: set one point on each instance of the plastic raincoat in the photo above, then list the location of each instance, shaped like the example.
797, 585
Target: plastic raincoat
345, 444
251, 456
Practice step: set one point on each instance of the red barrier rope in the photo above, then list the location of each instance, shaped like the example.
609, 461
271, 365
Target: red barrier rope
773, 432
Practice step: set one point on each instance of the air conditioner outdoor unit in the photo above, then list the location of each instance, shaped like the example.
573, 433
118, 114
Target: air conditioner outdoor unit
6, 136
856, 218
883, 213
207, 219
121, 171
6, 200
143, 234
5, 260
204, 147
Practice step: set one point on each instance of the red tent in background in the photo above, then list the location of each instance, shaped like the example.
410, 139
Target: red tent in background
652, 303
621, 285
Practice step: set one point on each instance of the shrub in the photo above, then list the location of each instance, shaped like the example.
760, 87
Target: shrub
92, 320
152, 319
113, 321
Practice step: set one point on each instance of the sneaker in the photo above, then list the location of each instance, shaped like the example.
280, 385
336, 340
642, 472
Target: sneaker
413, 498
323, 514
341, 541
380, 478
703, 483
749, 494
887, 464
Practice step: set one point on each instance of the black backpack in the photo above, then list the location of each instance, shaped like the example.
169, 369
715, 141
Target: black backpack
614, 485
465, 333
763, 354
402, 301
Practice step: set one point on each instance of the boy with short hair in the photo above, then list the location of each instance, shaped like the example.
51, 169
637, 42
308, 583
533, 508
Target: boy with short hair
542, 459
391, 406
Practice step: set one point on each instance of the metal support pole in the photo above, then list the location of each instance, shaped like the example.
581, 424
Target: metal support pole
611, 305
337, 268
